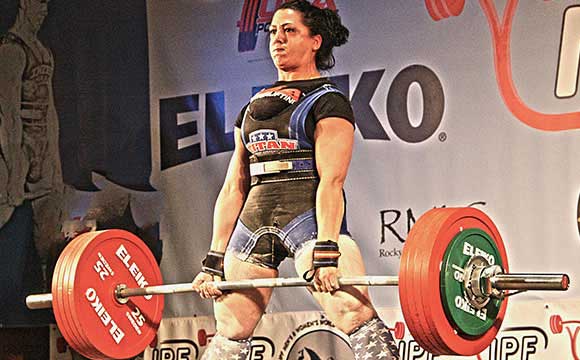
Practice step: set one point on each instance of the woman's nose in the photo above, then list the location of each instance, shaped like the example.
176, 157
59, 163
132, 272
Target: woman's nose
280, 36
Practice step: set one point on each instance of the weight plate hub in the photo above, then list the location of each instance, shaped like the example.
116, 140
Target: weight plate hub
465, 245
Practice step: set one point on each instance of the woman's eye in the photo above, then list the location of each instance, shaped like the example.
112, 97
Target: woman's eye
289, 30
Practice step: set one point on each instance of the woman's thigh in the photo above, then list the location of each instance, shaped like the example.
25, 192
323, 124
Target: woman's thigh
348, 299
238, 312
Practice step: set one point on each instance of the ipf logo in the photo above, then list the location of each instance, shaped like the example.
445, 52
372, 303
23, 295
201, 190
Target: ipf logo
256, 17
316, 340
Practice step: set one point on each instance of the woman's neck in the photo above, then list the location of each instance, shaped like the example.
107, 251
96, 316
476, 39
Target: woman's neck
298, 74
297, 78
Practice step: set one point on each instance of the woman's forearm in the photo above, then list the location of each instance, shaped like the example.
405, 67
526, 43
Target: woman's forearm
226, 211
231, 197
329, 209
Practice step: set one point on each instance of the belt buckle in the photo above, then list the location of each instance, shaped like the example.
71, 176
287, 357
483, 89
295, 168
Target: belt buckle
276, 166
270, 167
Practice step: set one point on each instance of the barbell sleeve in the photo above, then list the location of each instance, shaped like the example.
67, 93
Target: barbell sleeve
39, 301
530, 282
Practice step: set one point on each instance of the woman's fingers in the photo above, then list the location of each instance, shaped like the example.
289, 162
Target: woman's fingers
204, 285
326, 279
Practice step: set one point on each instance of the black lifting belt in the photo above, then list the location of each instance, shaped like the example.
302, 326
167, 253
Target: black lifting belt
268, 167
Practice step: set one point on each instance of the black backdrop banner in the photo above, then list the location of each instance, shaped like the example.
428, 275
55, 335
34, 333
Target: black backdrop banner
101, 87
100, 82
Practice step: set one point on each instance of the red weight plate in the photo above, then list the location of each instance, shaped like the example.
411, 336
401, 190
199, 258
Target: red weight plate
57, 300
98, 268
441, 8
110, 258
456, 219
406, 293
63, 314
434, 10
423, 303
556, 324
408, 296
76, 312
420, 239
399, 330
202, 338
454, 7
85, 346
424, 249
411, 290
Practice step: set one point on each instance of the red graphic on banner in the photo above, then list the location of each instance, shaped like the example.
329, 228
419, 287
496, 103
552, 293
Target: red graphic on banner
441, 9
257, 15
203, 337
557, 327
500, 31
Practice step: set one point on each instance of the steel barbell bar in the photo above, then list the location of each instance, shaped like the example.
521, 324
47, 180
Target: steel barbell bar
504, 282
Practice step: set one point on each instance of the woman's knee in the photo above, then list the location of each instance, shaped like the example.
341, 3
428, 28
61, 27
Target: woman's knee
348, 304
349, 309
236, 328
232, 332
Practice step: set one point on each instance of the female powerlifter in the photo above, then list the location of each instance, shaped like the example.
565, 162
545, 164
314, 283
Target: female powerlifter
283, 194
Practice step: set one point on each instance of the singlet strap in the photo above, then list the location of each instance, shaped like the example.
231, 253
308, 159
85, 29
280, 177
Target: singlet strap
297, 127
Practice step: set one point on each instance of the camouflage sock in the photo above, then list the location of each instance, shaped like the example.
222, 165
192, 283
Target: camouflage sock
373, 340
221, 348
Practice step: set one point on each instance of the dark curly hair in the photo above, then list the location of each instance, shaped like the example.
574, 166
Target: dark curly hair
323, 22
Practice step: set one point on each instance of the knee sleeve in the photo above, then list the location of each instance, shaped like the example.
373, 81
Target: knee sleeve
221, 348
374, 340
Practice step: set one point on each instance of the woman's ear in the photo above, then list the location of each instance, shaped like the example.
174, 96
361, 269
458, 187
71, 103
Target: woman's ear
317, 42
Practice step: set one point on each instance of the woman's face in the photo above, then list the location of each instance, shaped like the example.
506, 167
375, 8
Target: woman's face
291, 45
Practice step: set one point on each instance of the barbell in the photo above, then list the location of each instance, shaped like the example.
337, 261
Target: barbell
453, 287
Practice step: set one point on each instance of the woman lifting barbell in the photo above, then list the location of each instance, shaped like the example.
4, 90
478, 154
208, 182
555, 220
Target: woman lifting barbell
283, 193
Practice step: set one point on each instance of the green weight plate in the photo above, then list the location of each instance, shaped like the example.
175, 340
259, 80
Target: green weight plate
466, 318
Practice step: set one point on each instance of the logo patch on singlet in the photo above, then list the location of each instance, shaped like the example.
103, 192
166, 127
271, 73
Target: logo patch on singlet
289, 95
267, 139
